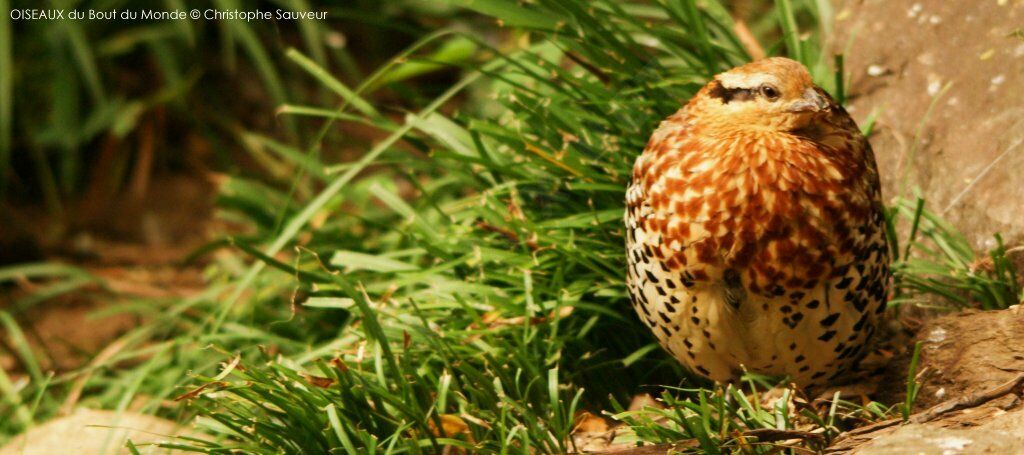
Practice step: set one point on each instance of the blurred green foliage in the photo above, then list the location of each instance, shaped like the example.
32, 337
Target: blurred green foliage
77, 96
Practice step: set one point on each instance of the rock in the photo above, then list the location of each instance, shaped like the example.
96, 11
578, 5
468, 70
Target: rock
968, 157
962, 353
932, 440
88, 431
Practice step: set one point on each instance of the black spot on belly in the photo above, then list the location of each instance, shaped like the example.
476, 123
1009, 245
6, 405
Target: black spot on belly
651, 277
846, 352
799, 358
673, 299
804, 368
830, 319
687, 343
860, 323
863, 283
827, 335
696, 320
703, 371
837, 374
664, 317
860, 304
786, 309
792, 346
793, 320
857, 350
844, 283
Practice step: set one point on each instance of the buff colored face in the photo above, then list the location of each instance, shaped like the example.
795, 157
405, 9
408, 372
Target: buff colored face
774, 94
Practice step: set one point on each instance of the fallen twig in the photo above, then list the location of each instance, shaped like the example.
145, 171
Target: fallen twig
970, 401
773, 435
657, 449
762, 434
843, 443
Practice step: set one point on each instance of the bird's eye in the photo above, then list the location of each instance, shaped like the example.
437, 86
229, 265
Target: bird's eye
769, 92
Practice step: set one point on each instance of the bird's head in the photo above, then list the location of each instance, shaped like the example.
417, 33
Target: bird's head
774, 93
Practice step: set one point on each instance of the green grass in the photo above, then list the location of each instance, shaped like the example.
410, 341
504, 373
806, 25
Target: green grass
936, 266
73, 88
913, 384
466, 271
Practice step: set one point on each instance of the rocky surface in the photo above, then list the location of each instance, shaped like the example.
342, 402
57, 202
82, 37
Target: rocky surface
88, 431
962, 355
1002, 435
967, 154
969, 351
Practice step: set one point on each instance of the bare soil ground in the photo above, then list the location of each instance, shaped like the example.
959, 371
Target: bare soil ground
135, 245
964, 60
964, 356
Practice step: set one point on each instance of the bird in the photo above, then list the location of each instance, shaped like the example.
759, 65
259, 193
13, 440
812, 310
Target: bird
755, 230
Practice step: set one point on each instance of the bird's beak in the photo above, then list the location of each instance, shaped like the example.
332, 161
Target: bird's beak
812, 101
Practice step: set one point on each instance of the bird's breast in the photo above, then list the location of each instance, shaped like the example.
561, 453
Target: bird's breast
780, 209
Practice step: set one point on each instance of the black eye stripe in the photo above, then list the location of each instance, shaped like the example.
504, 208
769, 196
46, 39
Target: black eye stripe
728, 95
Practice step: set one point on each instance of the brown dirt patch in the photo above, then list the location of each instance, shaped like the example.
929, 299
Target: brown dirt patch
134, 244
970, 150
962, 355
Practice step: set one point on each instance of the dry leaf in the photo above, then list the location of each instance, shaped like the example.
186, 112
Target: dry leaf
196, 391
451, 426
318, 381
587, 422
